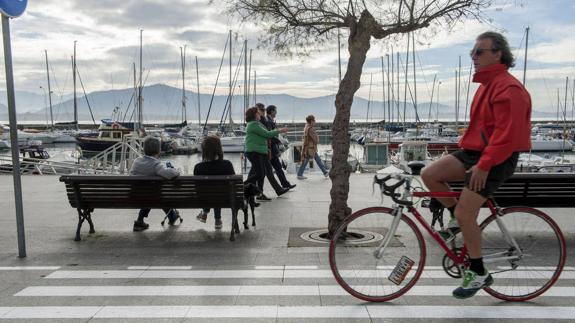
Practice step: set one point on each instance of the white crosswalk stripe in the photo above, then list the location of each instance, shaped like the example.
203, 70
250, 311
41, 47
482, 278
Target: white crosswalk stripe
286, 274
136, 297
354, 311
243, 290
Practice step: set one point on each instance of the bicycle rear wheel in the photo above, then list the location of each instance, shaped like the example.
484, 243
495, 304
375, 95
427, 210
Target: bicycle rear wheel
360, 272
543, 253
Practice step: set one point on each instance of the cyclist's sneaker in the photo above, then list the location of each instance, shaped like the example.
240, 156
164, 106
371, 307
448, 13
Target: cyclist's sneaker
453, 224
472, 283
452, 229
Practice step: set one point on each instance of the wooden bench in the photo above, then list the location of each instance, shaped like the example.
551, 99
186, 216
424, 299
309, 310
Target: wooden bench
87, 193
535, 190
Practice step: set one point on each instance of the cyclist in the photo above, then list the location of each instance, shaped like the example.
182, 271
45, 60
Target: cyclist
499, 128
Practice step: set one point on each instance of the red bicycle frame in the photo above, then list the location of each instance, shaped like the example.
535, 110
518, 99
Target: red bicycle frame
457, 259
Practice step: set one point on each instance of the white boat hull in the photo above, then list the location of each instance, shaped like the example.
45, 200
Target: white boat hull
551, 145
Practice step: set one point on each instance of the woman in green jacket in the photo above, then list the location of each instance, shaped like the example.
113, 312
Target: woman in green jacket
257, 146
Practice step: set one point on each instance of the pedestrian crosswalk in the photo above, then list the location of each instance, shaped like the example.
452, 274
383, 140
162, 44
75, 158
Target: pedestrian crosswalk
154, 292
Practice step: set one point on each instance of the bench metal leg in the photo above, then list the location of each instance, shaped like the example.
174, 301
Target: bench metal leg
89, 219
235, 227
84, 215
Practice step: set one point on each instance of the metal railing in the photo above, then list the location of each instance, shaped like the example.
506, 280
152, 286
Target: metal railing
116, 159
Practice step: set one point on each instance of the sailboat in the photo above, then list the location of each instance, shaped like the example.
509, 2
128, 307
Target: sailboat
112, 131
231, 136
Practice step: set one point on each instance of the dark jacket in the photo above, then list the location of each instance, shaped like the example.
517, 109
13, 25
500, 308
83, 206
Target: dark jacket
274, 142
214, 167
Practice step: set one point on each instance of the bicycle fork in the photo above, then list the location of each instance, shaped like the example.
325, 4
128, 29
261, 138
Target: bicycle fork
397, 214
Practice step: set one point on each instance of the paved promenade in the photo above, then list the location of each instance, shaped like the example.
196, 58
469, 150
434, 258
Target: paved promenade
193, 273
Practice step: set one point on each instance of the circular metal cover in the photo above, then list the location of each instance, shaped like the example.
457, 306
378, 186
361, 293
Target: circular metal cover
356, 237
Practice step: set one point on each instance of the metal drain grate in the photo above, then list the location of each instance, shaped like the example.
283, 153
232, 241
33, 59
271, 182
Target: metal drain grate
355, 237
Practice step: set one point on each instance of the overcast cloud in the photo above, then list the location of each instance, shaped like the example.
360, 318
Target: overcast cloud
107, 34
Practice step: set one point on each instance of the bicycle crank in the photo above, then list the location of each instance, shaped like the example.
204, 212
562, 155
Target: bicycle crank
451, 268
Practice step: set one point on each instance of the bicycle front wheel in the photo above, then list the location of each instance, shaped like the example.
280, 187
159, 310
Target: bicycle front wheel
523, 274
360, 272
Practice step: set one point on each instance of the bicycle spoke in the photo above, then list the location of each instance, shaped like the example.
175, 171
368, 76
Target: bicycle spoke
526, 273
367, 277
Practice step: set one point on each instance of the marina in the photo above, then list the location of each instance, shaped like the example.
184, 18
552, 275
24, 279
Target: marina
287, 161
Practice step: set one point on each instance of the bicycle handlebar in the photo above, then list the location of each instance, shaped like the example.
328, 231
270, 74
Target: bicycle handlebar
389, 190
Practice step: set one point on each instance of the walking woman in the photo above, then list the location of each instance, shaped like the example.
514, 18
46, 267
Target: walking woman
257, 148
309, 150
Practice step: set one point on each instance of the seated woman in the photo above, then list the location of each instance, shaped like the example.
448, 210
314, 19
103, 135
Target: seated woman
149, 165
213, 163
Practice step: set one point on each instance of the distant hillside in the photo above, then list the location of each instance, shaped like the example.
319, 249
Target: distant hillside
163, 103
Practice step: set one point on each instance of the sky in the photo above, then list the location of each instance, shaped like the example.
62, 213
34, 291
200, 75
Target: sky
107, 35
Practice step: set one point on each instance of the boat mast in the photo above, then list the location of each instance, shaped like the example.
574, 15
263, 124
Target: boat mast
49, 91
136, 103
525, 60
369, 98
389, 113
249, 79
414, 81
140, 99
183, 58
231, 80
246, 90
405, 84
383, 88
198, 87
255, 87
74, 77
431, 102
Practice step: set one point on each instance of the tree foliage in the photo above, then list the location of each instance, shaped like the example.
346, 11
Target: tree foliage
302, 26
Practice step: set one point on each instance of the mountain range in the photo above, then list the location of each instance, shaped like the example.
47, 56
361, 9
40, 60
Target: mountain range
162, 103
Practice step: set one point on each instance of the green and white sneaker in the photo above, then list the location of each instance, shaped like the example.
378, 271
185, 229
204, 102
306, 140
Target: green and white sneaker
452, 229
472, 283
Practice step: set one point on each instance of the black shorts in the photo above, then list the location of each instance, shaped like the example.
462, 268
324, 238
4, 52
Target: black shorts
497, 175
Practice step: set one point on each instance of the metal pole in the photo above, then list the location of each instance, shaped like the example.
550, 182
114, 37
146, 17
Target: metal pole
389, 115
140, 85
397, 63
49, 92
255, 86
405, 84
437, 107
383, 88
198, 87
230, 95
525, 61
14, 137
74, 76
414, 80
246, 89
183, 57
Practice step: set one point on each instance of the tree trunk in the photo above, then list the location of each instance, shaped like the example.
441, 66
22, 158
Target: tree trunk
359, 43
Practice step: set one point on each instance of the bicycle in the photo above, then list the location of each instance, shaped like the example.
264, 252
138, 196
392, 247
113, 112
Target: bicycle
523, 247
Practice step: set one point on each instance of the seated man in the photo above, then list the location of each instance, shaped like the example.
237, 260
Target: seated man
149, 165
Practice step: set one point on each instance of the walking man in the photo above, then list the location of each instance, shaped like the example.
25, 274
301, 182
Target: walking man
271, 112
499, 128
267, 166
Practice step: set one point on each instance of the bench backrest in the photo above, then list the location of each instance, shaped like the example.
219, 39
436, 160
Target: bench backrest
534, 189
128, 192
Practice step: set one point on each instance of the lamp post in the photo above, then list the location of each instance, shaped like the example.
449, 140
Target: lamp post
10, 8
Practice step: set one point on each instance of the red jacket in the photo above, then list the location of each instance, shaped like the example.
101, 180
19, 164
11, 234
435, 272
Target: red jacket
500, 121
